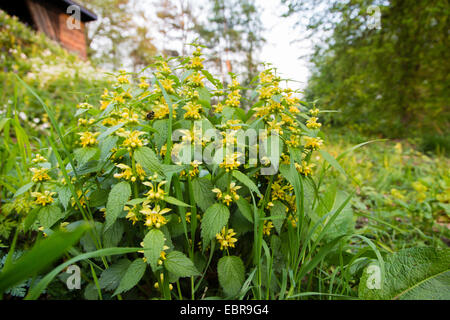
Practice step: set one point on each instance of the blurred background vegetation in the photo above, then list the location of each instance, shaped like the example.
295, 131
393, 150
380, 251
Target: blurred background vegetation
388, 82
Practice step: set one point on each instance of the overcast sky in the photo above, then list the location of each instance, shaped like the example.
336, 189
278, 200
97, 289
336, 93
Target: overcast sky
279, 33
279, 50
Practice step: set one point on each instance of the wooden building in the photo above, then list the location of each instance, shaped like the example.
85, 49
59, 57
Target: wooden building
51, 18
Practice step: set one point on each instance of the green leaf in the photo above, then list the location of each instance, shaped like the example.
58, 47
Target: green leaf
180, 265
23, 189
245, 208
246, 181
42, 255
113, 235
153, 245
215, 218
64, 195
278, 210
117, 199
48, 216
332, 161
83, 155
175, 201
411, 274
231, 273
132, 276
36, 290
110, 278
203, 195
109, 131
148, 160
30, 218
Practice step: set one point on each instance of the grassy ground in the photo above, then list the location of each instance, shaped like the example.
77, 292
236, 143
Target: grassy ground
402, 195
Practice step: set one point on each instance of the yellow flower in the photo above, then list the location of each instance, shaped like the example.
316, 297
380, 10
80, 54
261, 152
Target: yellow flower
314, 112
43, 198
419, 187
132, 138
103, 104
313, 143
88, 139
38, 158
193, 110
196, 79
196, 62
40, 174
143, 84
267, 227
81, 198
233, 99
312, 123
126, 173
123, 78
167, 84
131, 215
155, 195
154, 217
231, 161
397, 194
225, 238
305, 168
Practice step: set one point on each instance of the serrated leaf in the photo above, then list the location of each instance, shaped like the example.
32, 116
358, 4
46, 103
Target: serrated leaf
148, 160
411, 274
180, 265
117, 199
49, 215
83, 155
153, 245
246, 181
214, 219
231, 273
203, 195
113, 235
64, 196
110, 278
132, 276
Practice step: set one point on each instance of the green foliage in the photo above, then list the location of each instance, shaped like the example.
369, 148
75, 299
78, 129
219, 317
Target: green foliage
231, 272
411, 274
399, 68
180, 265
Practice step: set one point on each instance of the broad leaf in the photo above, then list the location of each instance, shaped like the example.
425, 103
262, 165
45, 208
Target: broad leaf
117, 199
411, 274
132, 276
215, 218
153, 245
180, 265
49, 215
231, 273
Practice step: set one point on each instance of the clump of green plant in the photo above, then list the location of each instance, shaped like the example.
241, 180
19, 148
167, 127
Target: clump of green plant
222, 202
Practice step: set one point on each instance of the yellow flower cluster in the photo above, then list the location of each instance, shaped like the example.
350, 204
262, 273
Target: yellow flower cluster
226, 238
43, 198
227, 197
40, 174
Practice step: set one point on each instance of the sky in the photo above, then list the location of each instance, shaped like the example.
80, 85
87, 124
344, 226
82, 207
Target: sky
279, 33
279, 50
